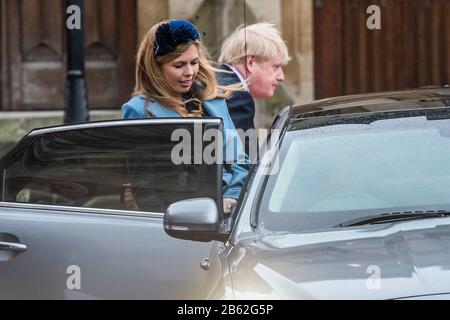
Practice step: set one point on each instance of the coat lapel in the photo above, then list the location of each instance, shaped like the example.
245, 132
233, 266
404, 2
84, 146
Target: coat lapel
159, 111
215, 108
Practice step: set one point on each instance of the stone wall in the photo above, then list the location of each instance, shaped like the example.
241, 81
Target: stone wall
297, 28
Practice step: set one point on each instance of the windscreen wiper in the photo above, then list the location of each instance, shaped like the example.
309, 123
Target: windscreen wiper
393, 217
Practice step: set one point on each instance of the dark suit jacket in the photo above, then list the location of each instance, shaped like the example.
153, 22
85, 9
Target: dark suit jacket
240, 105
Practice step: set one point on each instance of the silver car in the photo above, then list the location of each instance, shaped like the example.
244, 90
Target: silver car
349, 201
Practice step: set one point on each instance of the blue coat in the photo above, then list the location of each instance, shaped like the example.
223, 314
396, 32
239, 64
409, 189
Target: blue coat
234, 177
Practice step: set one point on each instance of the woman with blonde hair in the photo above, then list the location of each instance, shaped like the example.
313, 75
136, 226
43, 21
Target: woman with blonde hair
174, 78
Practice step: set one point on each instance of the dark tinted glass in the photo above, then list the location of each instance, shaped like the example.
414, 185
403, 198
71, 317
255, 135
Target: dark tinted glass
94, 167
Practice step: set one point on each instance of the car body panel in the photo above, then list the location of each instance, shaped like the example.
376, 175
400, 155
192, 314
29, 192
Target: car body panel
119, 257
385, 261
375, 102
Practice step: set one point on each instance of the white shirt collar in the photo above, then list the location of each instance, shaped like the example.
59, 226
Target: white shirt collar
241, 78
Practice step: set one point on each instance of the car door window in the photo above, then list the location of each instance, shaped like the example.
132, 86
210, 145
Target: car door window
92, 166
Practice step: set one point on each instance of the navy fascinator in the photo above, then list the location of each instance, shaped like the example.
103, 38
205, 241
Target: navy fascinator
171, 34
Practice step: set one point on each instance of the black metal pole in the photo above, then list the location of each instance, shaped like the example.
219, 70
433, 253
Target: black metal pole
76, 107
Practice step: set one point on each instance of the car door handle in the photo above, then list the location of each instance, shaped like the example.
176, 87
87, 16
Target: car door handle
11, 246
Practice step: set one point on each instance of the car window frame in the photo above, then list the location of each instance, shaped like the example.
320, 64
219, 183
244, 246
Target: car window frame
38, 133
281, 123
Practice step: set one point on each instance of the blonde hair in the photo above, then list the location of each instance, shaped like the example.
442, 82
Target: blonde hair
151, 82
261, 40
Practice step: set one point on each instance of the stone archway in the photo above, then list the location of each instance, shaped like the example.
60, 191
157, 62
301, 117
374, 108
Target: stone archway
33, 53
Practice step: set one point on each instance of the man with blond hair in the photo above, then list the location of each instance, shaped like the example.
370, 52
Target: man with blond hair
253, 56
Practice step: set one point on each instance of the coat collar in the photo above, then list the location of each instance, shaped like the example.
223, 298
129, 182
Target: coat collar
158, 111
239, 75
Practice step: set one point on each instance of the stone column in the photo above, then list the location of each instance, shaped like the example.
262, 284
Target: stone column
150, 12
182, 9
297, 27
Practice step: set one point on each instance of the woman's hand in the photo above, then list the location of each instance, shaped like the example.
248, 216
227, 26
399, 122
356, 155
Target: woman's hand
228, 203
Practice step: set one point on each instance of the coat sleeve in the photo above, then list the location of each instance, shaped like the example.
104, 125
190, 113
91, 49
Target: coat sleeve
233, 179
236, 163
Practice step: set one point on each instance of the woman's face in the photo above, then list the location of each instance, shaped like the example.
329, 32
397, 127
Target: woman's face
181, 72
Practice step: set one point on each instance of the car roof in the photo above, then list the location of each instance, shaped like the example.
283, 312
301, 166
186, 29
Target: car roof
423, 98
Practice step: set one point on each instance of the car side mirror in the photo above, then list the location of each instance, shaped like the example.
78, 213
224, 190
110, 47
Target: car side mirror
194, 219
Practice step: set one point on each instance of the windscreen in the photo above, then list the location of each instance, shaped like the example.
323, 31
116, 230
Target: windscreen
335, 173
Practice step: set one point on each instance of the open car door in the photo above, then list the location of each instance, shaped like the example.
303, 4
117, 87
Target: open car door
65, 230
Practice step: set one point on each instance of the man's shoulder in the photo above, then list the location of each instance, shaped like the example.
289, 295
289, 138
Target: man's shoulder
226, 76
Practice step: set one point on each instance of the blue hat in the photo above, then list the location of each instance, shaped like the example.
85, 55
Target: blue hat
171, 34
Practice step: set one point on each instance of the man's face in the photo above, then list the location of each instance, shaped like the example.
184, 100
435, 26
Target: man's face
265, 77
